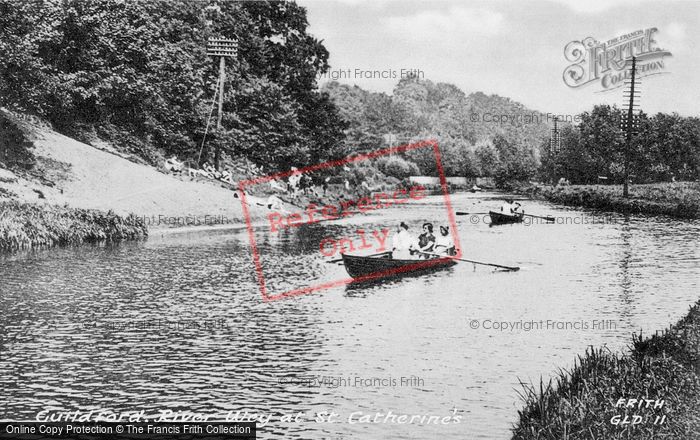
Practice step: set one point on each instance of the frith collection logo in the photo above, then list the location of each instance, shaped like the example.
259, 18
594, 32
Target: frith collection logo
608, 63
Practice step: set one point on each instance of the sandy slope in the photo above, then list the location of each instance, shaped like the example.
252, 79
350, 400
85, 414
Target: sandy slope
86, 177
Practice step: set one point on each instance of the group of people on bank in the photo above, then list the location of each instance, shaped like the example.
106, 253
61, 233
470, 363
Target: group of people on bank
427, 245
209, 171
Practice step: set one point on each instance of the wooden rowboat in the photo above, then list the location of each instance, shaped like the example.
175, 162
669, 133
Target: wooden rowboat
385, 266
499, 218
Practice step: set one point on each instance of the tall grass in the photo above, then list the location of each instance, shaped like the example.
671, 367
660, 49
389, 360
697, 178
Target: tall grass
580, 403
678, 199
25, 225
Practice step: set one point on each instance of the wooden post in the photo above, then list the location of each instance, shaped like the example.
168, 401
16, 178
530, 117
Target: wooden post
220, 114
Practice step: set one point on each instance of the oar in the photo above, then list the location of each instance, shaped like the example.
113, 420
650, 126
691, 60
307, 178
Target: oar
549, 218
472, 213
371, 255
512, 268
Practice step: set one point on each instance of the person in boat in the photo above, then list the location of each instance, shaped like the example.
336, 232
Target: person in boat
443, 242
518, 209
403, 243
507, 207
426, 241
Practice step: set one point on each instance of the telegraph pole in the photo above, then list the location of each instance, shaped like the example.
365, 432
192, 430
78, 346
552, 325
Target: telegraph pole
555, 137
222, 48
630, 125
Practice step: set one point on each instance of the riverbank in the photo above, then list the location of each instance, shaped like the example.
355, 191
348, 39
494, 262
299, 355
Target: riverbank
66, 178
25, 225
676, 199
584, 403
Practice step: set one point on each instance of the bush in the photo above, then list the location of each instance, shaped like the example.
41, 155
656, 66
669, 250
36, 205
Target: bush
15, 146
398, 167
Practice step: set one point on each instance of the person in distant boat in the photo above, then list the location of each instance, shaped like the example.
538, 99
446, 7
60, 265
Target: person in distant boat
507, 207
517, 208
403, 242
426, 241
443, 242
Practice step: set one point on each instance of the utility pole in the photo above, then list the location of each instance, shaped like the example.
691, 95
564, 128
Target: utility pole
222, 48
555, 137
630, 125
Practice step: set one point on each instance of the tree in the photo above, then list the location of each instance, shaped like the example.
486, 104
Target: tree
139, 70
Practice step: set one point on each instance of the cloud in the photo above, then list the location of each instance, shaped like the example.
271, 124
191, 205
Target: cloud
675, 30
433, 25
372, 4
594, 6
673, 37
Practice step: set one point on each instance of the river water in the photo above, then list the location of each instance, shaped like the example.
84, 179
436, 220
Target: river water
177, 322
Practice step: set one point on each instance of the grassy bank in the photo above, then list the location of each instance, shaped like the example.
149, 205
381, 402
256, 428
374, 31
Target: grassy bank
678, 199
26, 225
582, 403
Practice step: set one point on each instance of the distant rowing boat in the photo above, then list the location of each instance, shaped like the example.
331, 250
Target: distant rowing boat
385, 266
499, 218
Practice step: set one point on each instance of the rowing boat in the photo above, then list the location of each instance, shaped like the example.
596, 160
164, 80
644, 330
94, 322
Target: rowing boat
385, 266
499, 218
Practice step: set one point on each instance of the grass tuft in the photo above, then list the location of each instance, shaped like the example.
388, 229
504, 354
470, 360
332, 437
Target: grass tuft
581, 403
25, 225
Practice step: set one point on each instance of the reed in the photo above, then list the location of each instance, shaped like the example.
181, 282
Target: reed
580, 403
25, 225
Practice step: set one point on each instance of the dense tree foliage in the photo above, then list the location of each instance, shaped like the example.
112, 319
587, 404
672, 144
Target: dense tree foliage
465, 127
137, 72
665, 147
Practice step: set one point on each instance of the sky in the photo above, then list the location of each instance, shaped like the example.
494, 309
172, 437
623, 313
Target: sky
509, 48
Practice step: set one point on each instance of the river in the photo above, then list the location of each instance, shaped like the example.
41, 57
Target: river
177, 322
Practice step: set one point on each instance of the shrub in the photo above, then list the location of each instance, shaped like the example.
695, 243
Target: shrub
15, 146
398, 167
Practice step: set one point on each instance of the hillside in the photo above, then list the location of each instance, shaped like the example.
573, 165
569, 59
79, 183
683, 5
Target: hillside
81, 176
479, 135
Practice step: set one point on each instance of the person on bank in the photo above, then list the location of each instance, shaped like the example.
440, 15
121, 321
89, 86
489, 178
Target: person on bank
426, 241
403, 242
444, 245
